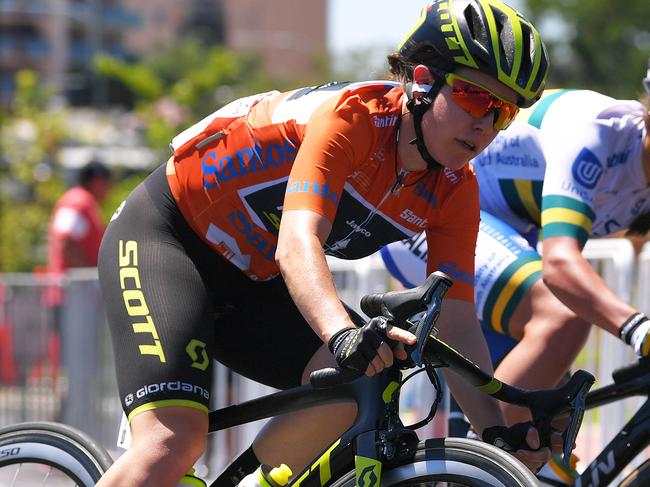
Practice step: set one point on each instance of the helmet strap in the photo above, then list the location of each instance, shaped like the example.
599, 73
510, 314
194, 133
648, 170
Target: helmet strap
418, 109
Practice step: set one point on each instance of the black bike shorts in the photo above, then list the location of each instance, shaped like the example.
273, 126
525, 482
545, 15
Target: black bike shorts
172, 303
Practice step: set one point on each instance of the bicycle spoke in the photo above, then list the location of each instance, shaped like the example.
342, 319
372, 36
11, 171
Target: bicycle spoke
13, 481
34, 475
47, 476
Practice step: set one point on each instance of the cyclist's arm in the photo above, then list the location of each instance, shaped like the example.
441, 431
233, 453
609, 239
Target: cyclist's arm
572, 279
459, 328
304, 268
303, 265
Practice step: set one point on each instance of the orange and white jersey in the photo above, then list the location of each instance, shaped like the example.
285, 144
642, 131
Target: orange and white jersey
329, 149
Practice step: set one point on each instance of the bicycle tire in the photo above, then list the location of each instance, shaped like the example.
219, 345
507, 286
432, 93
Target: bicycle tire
639, 477
454, 461
54, 453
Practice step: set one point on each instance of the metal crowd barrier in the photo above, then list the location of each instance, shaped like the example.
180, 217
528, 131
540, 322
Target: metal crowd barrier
54, 352
643, 288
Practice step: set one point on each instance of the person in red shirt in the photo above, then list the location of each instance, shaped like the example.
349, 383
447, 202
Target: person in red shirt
76, 226
221, 252
74, 235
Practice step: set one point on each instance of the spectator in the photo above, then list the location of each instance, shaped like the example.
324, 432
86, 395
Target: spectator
77, 227
75, 233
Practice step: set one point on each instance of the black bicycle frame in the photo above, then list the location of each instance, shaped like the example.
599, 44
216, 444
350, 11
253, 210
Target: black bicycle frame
633, 438
374, 396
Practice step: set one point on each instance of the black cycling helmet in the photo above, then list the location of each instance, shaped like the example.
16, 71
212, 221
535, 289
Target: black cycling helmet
486, 35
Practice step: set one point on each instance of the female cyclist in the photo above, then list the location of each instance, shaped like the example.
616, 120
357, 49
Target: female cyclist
220, 253
574, 166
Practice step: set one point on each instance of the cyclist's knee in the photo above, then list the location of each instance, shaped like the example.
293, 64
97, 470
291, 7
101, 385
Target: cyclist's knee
174, 437
542, 316
322, 358
558, 329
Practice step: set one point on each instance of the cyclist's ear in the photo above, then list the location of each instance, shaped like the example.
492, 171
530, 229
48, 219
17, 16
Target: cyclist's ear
422, 75
422, 79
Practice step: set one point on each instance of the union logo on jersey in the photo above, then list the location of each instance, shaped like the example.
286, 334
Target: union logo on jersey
587, 169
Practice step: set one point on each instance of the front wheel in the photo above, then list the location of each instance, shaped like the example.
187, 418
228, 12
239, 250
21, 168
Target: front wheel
639, 477
457, 462
49, 454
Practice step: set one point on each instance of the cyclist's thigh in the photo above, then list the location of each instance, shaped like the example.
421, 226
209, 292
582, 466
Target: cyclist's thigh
506, 268
262, 335
158, 308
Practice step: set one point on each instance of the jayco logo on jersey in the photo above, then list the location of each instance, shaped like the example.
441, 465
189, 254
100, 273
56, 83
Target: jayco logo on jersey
313, 188
358, 228
218, 169
587, 169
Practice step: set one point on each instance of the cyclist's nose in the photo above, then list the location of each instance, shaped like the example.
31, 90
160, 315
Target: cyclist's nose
486, 122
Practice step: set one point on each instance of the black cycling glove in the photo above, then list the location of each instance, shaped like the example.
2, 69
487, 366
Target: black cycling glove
510, 439
356, 347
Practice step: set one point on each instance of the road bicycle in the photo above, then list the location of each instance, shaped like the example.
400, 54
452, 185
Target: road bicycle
378, 449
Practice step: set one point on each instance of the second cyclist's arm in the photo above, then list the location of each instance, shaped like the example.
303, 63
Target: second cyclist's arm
459, 327
304, 268
572, 279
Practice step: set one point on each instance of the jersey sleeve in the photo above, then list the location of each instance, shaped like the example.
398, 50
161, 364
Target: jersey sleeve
68, 222
573, 170
337, 137
451, 244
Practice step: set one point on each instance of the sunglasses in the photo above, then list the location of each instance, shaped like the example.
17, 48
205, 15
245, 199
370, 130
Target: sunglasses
478, 101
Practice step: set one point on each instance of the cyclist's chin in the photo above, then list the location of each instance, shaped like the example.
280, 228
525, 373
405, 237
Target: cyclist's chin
454, 163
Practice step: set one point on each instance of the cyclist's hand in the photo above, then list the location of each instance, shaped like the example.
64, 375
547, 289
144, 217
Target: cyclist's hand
522, 441
368, 349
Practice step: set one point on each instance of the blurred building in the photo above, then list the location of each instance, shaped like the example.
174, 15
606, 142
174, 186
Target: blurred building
57, 39
163, 22
290, 35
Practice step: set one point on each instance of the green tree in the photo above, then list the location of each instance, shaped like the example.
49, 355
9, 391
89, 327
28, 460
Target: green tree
595, 44
184, 83
29, 139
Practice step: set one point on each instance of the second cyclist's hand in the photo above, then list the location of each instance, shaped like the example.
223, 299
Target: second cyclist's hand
367, 349
522, 441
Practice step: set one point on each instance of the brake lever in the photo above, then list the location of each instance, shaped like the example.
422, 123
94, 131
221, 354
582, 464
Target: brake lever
426, 325
546, 405
577, 408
